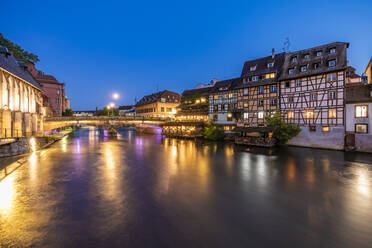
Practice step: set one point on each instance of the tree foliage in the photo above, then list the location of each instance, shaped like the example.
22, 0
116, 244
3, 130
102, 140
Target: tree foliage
107, 112
283, 131
213, 132
68, 112
17, 51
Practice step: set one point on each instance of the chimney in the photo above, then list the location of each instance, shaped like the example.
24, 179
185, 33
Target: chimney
272, 53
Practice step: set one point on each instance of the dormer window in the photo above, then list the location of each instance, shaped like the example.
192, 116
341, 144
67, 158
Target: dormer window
294, 59
332, 63
316, 65
306, 56
270, 65
332, 50
253, 68
319, 53
303, 68
291, 71
255, 78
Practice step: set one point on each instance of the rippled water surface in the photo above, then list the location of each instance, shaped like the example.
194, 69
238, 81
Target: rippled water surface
89, 190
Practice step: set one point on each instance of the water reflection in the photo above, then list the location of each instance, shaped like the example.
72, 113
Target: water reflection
92, 190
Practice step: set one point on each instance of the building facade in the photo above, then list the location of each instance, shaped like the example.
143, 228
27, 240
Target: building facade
52, 89
312, 88
127, 111
258, 94
359, 118
368, 73
223, 102
161, 105
20, 99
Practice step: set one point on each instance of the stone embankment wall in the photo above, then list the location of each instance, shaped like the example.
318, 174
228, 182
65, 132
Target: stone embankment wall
24, 145
334, 139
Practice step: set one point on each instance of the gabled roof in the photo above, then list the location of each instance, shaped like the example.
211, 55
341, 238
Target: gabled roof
229, 84
261, 65
126, 107
358, 93
320, 61
369, 65
9, 63
156, 97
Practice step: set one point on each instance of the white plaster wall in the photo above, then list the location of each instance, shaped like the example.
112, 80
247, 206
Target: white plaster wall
334, 139
351, 120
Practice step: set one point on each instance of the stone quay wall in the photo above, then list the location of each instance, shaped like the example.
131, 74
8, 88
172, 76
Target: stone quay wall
24, 145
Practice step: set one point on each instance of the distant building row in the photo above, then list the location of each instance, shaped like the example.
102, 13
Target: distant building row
315, 88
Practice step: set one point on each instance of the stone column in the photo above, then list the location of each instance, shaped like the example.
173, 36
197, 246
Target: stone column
27, 124
17, 124
34, 124
6, 124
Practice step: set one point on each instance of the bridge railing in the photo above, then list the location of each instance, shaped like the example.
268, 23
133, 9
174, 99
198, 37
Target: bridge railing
108, 118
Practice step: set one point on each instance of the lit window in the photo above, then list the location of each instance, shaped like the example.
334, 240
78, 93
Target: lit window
325, 129
332, 63
245, 116
273, 88
332, 113
319, 53
331, 77
169, 109
290, 115
260, 115
306, 56
255, 78
303, 68
294, 59
203, 99
298, 82
332, 50
260, 90
270, 65
245, 105
245, 91
309, 114
215, 97
270, 75
361, 128
197, 101
162, 99
252, 68
361, 111
291, 71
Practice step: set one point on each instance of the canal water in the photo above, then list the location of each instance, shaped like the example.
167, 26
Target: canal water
91, 190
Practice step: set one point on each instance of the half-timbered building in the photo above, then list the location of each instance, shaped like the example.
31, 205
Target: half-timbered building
258, 92
223, 102
312, 87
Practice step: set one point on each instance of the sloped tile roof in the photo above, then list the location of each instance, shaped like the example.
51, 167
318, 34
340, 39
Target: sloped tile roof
9, 63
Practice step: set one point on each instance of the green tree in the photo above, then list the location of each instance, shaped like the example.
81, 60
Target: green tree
213, 132
283, 131
68, 112
107, 112
17, 51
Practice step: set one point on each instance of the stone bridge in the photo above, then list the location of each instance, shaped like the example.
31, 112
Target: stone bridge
110, 123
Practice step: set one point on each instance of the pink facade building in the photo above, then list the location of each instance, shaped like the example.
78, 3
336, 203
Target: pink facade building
55, 101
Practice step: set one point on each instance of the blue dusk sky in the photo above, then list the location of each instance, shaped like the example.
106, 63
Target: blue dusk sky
137, 47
